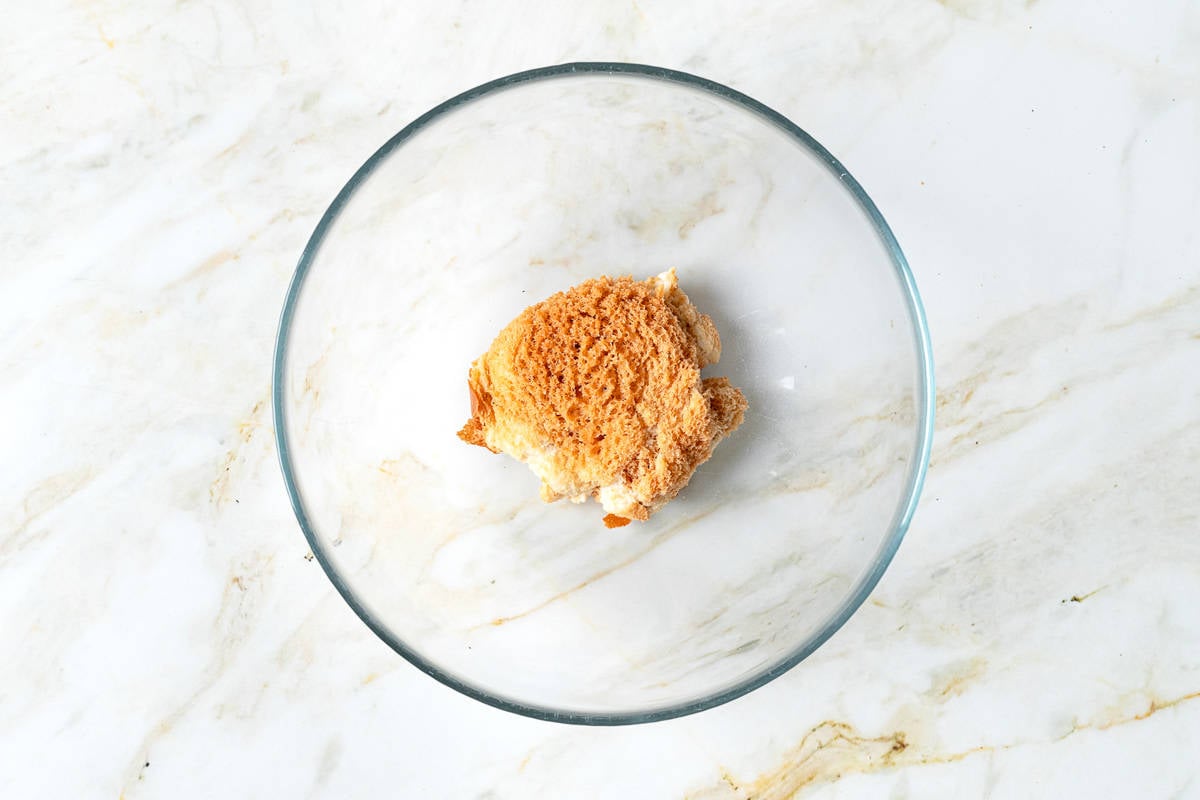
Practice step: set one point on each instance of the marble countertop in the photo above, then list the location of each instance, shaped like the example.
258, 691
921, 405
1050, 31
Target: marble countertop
165, 631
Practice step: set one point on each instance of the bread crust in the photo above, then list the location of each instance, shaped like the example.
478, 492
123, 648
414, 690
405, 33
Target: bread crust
598, 388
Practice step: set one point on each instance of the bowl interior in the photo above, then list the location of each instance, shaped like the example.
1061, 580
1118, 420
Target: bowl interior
492, 204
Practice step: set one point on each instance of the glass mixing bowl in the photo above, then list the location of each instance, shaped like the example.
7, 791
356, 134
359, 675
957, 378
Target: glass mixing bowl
498, 198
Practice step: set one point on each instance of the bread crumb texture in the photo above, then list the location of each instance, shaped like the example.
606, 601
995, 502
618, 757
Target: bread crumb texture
598, 390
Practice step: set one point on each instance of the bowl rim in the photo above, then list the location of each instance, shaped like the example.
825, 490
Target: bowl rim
918, 466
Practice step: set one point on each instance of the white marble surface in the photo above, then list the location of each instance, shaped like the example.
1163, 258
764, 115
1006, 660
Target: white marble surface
162, 633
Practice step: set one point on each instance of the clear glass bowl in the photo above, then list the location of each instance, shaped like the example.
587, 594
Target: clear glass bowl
525, 186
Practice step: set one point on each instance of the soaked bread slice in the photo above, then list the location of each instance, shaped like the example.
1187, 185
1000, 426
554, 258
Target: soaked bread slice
598, 389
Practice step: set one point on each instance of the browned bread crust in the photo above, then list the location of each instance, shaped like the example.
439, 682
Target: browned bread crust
604, 380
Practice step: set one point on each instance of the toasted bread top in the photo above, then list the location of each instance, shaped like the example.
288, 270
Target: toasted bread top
604, 380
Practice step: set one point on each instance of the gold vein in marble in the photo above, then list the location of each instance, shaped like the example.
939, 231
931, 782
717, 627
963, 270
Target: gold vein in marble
832, 750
